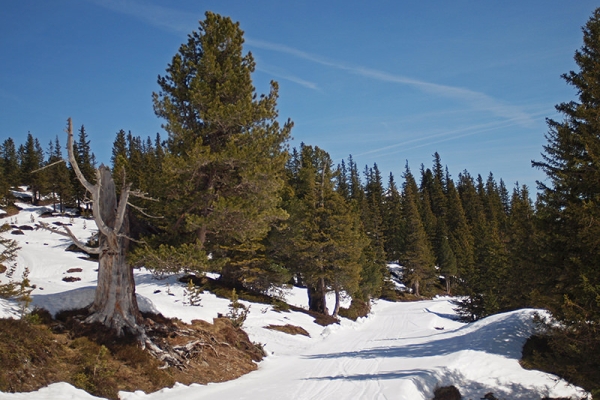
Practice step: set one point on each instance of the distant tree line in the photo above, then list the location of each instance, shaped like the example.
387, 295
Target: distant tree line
44, 172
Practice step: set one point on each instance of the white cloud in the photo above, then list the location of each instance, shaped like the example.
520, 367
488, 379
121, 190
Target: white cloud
161, 17
179, 21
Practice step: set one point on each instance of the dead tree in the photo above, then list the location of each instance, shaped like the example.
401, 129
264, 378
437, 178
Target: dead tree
115, 305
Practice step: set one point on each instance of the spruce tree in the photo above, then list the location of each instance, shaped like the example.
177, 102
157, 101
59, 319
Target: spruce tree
418, 258
58, 176
569, 209
393, 223
10, 163
86, 161
460, 237
323, 240
223, 166
31, 160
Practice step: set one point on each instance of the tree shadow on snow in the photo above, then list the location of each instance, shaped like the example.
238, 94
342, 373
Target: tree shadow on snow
502, 335
426, 381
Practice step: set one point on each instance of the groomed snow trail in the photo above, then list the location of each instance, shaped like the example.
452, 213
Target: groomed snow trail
399, 352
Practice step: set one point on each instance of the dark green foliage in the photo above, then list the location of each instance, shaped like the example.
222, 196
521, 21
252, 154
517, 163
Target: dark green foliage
223, 165
569, 208
31, 158
393, 222
323, 241
10, 163
58, 177
87, 164
418, 258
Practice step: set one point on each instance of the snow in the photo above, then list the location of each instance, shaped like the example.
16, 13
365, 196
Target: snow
400, 351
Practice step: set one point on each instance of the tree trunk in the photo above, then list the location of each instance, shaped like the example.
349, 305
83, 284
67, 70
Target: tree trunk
416, 288
316, 297
336, 309
115, 304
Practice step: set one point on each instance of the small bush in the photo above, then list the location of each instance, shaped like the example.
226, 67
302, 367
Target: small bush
237, 311
357, 309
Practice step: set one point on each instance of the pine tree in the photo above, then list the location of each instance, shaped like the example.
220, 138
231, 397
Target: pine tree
418, 259
460, 237
86, 161
119, 159
521, 280
225, 154
569, 209
31, 160
393, 223
10, 163
58, 176
323, 240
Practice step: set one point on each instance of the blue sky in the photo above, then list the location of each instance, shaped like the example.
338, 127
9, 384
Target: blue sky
385, 81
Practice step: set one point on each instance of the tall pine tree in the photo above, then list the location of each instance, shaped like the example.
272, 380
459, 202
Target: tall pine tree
224, 160
569, 209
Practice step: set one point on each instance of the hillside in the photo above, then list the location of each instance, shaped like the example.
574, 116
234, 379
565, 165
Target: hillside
401, 350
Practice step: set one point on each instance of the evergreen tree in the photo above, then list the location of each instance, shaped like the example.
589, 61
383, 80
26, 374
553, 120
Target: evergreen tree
418, 259
569, 209
119, 158
393, 223
322, 241
522, 239
58, 176
10, 163
31, 160
224, 160
86, 161
483, 282
460, 237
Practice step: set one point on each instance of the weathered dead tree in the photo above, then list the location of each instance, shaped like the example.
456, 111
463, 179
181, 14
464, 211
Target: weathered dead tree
115, 304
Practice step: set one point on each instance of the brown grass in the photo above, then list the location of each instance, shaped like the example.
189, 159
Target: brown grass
34, 355
289, 329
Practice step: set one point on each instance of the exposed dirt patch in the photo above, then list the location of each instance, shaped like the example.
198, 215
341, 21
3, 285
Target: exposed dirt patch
73, 270
71, 278
290, 329
37, 353
222, 290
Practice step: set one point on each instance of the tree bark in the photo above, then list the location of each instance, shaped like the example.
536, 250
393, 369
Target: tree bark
115, 304
336, 308
316, 297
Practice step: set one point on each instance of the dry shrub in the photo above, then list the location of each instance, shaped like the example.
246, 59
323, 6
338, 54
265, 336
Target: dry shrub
91, 358
357, 309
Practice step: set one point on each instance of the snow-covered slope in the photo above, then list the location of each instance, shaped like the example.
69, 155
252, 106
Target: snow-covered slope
401, 351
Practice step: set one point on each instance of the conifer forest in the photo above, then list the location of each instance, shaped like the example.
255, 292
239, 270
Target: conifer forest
222, 190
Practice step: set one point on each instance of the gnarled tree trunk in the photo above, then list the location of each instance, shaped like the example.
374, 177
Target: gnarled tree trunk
115, 304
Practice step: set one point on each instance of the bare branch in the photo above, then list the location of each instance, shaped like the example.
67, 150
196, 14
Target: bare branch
141, 195
122, 207
102, 227
121, 235
49, 165
68, 233
141, 210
